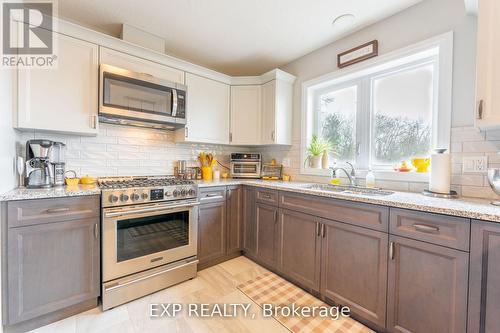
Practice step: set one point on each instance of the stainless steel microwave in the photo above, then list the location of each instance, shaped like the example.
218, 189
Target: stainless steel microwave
139, 99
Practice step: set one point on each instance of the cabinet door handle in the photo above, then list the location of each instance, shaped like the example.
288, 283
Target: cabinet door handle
391, 250
57, 210
273, 135
275, 216
317, 229
425, 228
323, 231
480, 110
186, 132
94, 122
96, 231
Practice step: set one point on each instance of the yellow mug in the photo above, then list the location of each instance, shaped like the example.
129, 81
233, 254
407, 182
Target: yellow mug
206, 173
421, 164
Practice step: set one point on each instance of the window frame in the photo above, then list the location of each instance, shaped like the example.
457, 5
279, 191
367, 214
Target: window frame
439, 48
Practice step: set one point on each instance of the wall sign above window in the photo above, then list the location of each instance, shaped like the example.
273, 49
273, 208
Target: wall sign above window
358, 54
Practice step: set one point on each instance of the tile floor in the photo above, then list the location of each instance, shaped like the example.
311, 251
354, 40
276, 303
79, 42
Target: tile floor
213, 285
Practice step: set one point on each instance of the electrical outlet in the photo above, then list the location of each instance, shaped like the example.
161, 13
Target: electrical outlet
286, 162
475, 164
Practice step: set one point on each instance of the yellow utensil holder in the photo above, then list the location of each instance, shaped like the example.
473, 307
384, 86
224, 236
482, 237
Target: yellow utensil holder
206, 173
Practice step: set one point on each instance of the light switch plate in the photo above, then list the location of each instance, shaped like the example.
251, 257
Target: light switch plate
475, 164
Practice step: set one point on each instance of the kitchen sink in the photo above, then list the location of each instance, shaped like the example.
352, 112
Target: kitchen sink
349, 189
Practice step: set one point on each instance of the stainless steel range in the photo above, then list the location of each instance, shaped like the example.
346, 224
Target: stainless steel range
149, 236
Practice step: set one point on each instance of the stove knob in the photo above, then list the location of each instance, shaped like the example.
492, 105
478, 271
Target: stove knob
124, 197
183, 192
113, 198
177, 193
144, 196
192, 192
135, 197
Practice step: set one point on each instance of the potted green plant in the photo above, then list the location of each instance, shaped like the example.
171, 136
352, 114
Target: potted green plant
317, 151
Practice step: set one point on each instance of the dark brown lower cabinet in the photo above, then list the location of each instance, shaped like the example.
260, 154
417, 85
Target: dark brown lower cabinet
211, 232
484, 284
249, 221
299, 248
427, 289
51, 267
234, 213
354, 269
266, 220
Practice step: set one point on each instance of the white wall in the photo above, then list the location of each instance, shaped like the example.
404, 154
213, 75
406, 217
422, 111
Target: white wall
7, 134
422, 21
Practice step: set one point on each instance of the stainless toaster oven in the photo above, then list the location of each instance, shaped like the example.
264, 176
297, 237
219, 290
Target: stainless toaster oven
245, 165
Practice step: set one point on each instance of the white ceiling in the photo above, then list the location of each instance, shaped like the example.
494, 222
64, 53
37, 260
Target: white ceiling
236, 37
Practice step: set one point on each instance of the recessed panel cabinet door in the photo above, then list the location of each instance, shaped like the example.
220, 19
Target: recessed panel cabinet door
427, 289
61, 99
487, 66
52, 266
249, 221
234, 219
207, 111
354, 269
267, 218
299, 248
211, 231
484, 284
246, 115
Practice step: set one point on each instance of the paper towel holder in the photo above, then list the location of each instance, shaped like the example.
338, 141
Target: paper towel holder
451, 195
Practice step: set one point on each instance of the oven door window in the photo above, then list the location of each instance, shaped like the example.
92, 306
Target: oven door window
136, 95
142, 236
245, 168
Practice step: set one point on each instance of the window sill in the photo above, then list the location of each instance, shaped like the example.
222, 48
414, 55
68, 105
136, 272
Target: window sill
414, 177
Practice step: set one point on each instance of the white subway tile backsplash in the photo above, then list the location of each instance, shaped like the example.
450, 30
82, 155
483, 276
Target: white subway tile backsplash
480, 146
120, 151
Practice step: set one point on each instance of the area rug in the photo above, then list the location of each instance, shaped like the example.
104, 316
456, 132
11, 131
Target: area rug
269, 288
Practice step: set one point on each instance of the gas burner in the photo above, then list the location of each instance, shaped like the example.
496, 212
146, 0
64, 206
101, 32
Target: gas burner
119, 191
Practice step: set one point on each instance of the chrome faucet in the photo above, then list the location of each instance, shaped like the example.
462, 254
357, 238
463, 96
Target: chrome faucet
351, 175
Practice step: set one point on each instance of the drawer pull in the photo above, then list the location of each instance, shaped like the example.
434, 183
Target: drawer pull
57, 210
322, 230
266, 196
212, 197
425, 228
317, 229
391, 250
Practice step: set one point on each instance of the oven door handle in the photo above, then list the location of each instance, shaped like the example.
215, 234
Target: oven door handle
121, 285
149, 210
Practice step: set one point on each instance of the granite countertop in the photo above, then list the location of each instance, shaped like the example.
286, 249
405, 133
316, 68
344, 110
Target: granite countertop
54, 192
480, 209
464, 207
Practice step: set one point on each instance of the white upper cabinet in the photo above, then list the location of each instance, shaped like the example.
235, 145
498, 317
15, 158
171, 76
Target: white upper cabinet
488, 66
207, 111
62, 99
277, 112
139, 65
246, 114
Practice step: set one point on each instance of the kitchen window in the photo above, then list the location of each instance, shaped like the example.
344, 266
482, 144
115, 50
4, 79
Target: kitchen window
385, 110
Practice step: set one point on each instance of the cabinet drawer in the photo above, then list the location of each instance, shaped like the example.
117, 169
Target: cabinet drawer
212, 194
438, 229
265, 196
364, 215
32, 212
